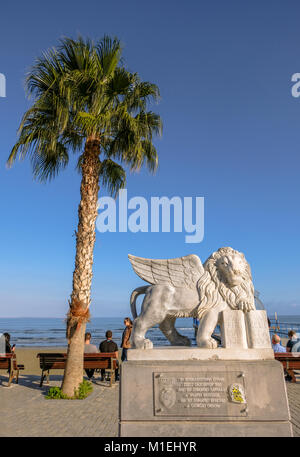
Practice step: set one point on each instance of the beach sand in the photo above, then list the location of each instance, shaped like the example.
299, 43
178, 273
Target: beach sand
28, 356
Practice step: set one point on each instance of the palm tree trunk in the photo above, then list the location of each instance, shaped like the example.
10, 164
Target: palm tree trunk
82, 276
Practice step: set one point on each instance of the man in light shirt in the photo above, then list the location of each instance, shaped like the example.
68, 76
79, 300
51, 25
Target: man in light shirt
276, 344
89, 349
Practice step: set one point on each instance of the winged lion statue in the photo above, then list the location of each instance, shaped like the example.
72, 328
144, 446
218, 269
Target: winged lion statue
183, 287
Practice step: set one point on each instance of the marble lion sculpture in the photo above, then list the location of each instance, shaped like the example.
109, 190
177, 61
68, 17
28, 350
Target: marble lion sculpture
183, 287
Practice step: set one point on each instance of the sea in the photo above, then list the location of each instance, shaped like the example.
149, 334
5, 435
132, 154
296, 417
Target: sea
33, 332
50, 332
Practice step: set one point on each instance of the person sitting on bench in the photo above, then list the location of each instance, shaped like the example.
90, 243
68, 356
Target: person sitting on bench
109, 345
293, 339
277, 347
8, 348
89, 349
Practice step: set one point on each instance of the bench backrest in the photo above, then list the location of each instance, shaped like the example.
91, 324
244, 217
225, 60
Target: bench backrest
58, 360
100, 360
287, 355
288, 359
52, 360
5, 361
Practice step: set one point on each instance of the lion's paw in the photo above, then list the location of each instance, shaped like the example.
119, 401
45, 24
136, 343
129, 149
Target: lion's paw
211, 343
245, 306
148, 344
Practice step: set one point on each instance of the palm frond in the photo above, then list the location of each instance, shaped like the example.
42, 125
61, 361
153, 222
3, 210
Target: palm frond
82, 89
49, 162
112, 176
109, 53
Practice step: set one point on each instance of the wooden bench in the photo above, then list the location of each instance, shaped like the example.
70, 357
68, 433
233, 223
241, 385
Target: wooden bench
290, 361
8, 362
57, 361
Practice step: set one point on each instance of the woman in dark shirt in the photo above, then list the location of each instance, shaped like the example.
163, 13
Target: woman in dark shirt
125, 338
292, 340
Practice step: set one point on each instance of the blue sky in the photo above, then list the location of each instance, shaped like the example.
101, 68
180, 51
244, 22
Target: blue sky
231, 134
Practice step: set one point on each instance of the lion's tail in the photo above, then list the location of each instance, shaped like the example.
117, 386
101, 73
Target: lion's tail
138, 291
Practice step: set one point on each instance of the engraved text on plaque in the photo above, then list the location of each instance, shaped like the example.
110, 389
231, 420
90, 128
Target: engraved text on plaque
199, 394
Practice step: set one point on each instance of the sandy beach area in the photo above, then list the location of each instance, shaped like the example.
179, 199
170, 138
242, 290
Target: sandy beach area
27, 356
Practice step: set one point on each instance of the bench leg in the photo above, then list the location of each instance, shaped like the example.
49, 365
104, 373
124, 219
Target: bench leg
292, 375
112, 378
11, 377
17, 377
44, 374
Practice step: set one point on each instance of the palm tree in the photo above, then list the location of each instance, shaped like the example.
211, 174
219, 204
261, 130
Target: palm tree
86, 102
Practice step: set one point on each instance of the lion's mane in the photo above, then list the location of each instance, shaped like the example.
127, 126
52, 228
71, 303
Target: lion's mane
213, 288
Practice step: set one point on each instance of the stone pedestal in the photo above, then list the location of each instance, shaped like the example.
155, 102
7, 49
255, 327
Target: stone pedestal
193, 392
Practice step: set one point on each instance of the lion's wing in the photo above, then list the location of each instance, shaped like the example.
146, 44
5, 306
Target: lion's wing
180, 272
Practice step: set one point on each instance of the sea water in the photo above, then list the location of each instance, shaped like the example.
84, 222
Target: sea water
33, 332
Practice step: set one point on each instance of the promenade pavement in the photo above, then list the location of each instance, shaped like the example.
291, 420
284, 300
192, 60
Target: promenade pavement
26, 413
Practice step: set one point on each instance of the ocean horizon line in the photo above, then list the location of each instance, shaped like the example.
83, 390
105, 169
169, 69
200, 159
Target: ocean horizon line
115, 317
58, 317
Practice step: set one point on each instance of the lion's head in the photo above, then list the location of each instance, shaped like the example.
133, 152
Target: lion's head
227, 278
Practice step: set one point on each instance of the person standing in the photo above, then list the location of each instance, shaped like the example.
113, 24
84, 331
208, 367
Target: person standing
110, 346
89, 349
126, 338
